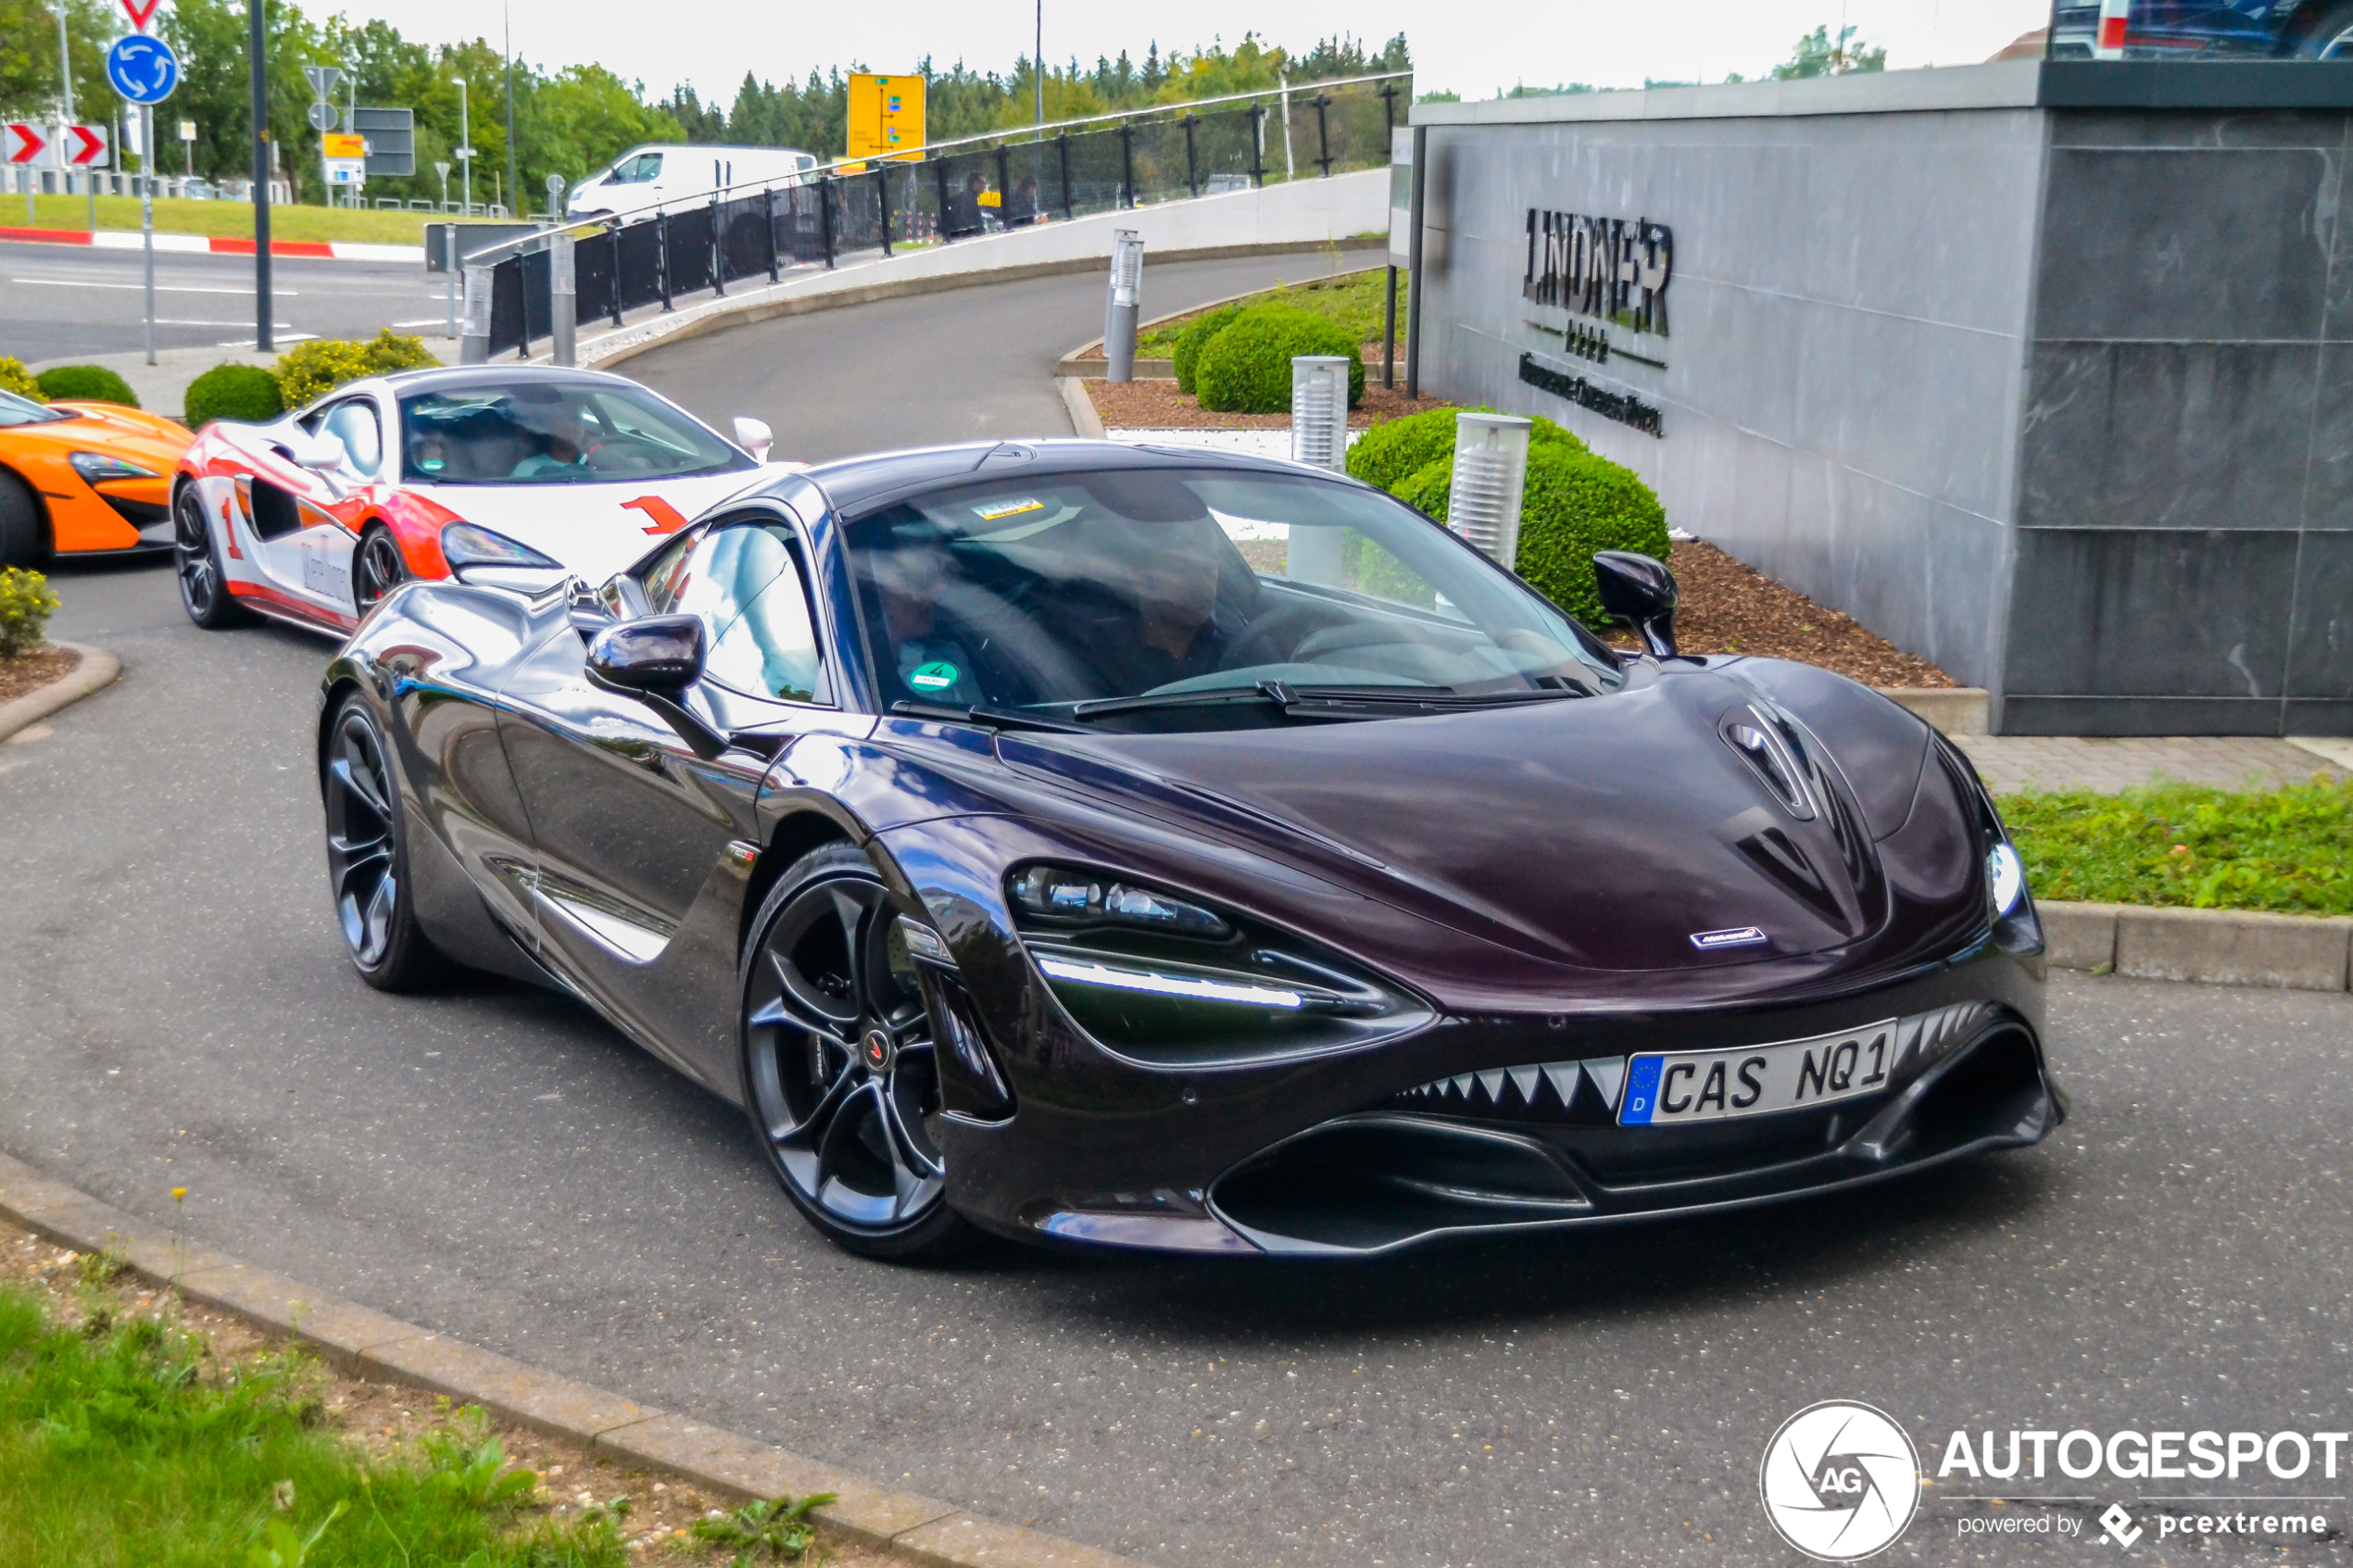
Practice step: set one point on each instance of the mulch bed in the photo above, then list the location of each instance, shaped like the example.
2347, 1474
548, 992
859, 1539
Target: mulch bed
28, 672
1729, 607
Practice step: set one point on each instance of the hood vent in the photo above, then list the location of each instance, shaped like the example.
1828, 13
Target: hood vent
1760, 745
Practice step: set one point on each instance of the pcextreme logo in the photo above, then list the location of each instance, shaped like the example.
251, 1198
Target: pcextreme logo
1839, 1481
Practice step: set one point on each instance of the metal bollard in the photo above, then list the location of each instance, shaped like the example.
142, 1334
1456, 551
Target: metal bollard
1319, 410
1127, 289
473, 343
1490, 477
563, 302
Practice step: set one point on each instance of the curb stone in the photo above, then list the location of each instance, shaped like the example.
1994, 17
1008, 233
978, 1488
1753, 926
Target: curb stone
1083, 416
97, 670
2218, 947
361, 1340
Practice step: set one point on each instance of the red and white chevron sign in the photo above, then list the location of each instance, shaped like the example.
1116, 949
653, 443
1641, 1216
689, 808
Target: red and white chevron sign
85, 144
26, 143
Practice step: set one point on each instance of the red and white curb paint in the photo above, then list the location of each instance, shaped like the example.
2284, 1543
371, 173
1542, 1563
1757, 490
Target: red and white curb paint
122, 239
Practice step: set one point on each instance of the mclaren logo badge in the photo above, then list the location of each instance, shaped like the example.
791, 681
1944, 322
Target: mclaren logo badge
1739, 937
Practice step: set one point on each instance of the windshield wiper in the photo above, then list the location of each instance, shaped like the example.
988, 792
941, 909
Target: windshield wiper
988, 718
1269, 693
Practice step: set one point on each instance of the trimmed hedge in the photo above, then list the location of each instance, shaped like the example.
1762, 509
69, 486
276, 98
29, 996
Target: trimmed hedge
86, 383
1185, 353
246, 393
1245, 368
1575, 504
15, 378
314, 369
1395, 450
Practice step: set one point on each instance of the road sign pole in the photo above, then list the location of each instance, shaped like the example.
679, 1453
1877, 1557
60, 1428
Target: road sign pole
257, 48
148, 213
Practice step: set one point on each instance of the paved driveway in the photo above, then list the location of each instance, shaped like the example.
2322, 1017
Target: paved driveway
175, 1010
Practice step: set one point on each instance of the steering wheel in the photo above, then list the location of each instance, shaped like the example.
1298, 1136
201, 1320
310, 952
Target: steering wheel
1270, 638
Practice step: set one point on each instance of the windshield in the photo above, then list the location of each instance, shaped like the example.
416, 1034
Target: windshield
1051, 594
16, 410
553, 432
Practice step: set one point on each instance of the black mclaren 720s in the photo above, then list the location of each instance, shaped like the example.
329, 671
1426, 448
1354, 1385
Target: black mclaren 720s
1145, 849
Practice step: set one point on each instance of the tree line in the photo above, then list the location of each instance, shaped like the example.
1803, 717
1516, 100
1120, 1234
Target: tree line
569, 122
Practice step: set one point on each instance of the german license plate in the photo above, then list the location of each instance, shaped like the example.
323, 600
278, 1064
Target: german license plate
1757, 1080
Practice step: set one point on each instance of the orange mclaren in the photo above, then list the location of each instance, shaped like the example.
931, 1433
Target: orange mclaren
84, 479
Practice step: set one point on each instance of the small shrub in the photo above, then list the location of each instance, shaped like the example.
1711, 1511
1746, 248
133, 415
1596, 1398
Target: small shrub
15, 378
86, 383
1395, 450
1245, 368
1575, 504
312, 370
1186, 354
245, 393
26, 604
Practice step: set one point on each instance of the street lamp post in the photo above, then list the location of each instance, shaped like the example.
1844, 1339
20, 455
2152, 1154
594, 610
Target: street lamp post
465, 152
255, 52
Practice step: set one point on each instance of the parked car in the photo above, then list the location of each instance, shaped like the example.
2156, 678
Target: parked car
2181, 28
646, 176
314, 516
84, 479
1024, 860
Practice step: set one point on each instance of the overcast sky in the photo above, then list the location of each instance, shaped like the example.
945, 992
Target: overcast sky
1473, 51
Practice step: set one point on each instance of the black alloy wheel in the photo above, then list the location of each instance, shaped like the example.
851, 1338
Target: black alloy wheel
376, 569
367, 857
24, 528
838, 1063
204, 591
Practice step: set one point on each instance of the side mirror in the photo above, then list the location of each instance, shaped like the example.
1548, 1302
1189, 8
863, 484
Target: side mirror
659, 656
320, 453
1640, 590
754, 436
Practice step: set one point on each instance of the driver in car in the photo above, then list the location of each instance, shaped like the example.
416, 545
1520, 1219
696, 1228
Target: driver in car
1178, 629
567, 441
933, 667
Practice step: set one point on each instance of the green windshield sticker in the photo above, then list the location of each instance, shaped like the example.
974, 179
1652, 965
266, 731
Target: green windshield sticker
934, 677
990, 512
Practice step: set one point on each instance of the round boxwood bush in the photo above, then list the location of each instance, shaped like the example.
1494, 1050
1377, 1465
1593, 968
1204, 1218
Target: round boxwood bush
1395, 450
86, 383
245, 393
1245, 368
15, 378
1185, 353
1575, 504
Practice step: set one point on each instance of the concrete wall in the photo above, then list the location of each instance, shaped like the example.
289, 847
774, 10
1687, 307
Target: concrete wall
2041, 371
2185, 495
1847, 317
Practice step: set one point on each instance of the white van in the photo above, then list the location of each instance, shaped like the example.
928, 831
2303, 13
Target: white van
673, 172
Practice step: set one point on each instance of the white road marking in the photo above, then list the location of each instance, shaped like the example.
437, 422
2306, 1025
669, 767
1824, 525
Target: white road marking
160, 288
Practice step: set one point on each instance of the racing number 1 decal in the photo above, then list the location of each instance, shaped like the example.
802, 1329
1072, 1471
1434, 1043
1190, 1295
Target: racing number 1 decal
667, 518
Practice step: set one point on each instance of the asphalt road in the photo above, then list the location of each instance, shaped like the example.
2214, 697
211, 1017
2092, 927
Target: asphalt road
59, 300
175, 1010
961, 366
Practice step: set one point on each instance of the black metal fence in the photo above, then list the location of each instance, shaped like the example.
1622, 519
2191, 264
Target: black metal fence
953, 192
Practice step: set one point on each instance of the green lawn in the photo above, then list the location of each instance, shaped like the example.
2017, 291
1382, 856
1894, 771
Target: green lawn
124, 1442
1353, 299
2289, 850
221, 218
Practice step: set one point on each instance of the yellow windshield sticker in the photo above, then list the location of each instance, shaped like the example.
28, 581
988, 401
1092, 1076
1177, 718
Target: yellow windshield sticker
990, 511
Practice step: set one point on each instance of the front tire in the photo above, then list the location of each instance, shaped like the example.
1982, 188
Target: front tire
367, 857
204, 586
838, 1067
24, 528
376, 569
2331, 38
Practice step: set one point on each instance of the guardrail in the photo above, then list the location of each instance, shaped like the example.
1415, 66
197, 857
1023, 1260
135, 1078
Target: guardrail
539, 286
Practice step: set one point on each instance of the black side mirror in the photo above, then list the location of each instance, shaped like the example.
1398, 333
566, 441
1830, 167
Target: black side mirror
659, 656
1640, 590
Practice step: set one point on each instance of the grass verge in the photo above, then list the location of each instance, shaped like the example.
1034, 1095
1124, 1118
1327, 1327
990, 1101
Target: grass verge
2286, 850
225, 219
134, 1429
1353, 299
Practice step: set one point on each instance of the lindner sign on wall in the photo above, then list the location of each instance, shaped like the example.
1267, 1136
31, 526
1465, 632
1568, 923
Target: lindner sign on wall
1604, 272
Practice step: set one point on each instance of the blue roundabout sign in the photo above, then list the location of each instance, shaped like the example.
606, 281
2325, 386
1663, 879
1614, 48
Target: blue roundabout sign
143, 70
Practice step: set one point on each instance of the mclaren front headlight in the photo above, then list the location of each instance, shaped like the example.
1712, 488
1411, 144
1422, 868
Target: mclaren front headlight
1168, 978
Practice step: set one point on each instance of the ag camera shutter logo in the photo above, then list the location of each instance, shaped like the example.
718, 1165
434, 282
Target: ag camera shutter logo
1839, 1481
